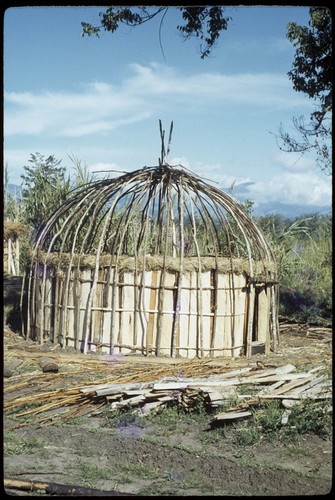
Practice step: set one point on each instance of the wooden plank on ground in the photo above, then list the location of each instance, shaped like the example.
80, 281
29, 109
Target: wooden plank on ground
116, 388
299, 396
291, 385
165, 386
280, 370
310, 385
289, 403
230, 374
285, 417
279, 376
270, 388
148, 407
232, 415
129, 402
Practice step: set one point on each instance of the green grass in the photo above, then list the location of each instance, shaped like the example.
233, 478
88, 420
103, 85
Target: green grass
298, 450
265, 424
158, 488
90, 474
18, 445
169, 418
122, 473
75, 421
213, 436
247, 435
310, 418
122, 418
138, 470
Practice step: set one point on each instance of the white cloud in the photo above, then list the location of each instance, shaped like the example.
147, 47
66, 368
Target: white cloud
101, 126
105, 169
303, 188
294, 162
307, 188
216, 174
179, 160
98, 107
252, 88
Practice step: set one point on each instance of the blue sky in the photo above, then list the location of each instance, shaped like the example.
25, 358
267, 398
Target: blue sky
100, 100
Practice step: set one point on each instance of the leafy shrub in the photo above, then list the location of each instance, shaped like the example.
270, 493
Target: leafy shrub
310, 418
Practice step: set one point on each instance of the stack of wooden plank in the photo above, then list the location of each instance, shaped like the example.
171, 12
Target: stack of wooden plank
282, 383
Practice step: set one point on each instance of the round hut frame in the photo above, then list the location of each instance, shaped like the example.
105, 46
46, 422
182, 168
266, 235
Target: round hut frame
155, 261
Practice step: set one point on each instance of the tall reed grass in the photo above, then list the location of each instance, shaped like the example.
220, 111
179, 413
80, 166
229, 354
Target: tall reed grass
303, 250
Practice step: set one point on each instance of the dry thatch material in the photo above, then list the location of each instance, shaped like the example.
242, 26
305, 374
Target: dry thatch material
155, 260
13, 229
11, 255
262, 269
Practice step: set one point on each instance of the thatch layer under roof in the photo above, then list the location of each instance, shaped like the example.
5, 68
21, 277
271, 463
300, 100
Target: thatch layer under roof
13, 229
157, 262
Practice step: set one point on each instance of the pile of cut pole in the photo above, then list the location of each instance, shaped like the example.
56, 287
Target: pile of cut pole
146, 390
213, 391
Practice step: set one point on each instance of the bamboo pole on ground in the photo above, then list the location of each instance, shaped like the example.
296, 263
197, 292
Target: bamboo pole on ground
59, 489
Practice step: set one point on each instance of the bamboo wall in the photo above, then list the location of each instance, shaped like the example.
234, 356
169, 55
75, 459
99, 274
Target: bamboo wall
11, 255
193, 314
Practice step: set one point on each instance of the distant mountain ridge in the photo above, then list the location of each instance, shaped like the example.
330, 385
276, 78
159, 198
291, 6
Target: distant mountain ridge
289, 211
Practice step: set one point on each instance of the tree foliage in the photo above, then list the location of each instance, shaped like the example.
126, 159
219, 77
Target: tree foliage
44, 189
311, 74
205, 23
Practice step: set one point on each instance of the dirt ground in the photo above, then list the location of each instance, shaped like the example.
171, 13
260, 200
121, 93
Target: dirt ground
162, 459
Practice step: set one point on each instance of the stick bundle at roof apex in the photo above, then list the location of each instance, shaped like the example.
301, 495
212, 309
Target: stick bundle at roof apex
164, 154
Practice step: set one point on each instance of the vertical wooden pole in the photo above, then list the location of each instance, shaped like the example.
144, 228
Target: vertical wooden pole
161, 293
274, 316
152, 306
214, 309
176, 323
251, 308
17, 255
9, 250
